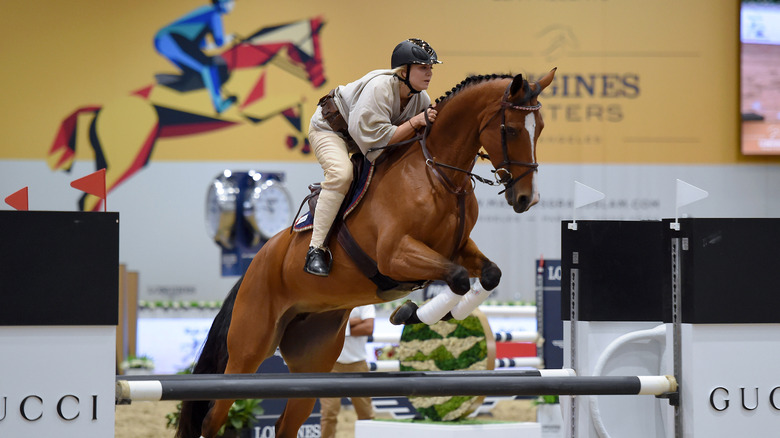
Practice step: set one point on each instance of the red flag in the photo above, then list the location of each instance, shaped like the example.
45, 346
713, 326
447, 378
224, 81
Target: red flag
94, 184
18, 200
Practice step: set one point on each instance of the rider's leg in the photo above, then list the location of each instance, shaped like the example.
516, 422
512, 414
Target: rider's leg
183, 52
210, 76
331, 152
318, 259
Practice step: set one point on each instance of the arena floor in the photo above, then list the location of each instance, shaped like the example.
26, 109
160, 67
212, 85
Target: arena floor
147, 419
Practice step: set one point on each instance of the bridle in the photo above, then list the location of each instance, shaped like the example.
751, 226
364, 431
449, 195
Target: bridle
502, 174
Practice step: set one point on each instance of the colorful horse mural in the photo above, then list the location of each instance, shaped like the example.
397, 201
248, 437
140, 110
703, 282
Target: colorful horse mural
123, 133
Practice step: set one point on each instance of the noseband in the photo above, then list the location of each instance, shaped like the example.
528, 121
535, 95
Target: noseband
503, 174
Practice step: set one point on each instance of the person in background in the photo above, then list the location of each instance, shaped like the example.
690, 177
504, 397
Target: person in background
352, 359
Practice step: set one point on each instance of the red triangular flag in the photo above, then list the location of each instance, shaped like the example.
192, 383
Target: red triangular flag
18, 200
94, 184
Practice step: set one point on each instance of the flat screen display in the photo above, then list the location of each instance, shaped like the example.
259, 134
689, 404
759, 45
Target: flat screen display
760, 77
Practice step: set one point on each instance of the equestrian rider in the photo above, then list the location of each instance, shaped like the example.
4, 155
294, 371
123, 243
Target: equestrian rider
183, 40
381, 108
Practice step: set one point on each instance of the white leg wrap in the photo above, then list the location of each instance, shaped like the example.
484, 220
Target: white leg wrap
471, 300
433, 311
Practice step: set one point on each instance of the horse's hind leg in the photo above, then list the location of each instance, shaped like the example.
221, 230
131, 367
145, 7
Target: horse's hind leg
251, 339
122, 136
310, 344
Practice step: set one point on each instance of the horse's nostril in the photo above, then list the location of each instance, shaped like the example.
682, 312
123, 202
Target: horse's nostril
522, 204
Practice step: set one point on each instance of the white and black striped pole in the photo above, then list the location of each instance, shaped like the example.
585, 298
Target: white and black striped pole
533, 382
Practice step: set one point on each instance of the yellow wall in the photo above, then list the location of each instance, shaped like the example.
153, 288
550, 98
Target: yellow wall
670, 67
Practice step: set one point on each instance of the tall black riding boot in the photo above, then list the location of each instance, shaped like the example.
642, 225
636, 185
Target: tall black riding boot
318, 261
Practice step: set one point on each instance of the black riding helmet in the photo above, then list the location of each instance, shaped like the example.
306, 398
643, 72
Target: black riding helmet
412, 51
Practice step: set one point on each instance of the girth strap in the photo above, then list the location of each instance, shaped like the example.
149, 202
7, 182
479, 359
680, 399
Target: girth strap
363, 261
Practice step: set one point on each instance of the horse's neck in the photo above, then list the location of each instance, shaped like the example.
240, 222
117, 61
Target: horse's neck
454, 141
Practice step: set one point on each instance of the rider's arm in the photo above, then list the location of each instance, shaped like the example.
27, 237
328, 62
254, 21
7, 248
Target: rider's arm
409, 128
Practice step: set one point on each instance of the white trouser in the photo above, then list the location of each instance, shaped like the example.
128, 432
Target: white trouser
331, 152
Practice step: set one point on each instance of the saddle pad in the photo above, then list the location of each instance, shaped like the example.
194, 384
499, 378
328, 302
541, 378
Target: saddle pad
356, 191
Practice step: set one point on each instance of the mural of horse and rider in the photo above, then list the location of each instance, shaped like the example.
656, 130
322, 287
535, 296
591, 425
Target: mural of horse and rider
123, 133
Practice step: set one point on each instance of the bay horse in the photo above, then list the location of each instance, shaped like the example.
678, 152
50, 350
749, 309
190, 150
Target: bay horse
262, 70
420, 196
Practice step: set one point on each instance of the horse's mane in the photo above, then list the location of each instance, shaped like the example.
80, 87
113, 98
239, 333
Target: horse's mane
471, 80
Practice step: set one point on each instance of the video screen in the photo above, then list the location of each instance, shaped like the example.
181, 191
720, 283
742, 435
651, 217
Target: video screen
760, 77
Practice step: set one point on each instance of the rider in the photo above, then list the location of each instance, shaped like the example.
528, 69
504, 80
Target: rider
183, 41
381, 108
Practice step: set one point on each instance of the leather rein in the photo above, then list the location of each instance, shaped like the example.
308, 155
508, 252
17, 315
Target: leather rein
502, 174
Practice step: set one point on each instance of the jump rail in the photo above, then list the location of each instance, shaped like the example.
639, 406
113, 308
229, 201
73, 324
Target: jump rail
510, 336
304, 385
507, 362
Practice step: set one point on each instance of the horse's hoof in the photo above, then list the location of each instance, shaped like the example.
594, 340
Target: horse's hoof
317, 262
491, 276
406, 313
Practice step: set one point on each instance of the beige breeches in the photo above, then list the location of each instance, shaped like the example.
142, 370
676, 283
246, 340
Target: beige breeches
331, 152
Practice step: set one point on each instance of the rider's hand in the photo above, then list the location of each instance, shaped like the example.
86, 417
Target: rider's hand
418, 121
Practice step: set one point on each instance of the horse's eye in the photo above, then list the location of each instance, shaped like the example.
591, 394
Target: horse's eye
510, 131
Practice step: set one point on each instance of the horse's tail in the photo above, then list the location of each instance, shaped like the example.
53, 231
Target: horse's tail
213, 360
63, 148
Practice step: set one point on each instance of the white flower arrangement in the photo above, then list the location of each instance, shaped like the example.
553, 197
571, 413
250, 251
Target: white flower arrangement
179, 305
137, 362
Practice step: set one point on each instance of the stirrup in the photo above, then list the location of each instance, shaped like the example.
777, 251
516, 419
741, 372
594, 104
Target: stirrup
318, 261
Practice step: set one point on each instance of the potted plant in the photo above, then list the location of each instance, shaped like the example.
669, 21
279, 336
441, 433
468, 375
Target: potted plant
135, 365
241, 416
549, 415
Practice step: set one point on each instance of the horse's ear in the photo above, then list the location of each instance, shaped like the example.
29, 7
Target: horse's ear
517, 85
547, 79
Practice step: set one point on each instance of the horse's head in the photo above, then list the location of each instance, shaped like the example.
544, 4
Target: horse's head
510, 134
293, 46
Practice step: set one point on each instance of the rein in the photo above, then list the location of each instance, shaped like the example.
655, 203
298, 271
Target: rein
504, 175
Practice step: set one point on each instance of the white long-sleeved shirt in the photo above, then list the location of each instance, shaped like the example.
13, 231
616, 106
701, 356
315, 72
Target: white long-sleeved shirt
371, 106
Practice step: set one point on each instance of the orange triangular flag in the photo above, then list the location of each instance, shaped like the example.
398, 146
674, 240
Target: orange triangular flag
94, 184
18, 200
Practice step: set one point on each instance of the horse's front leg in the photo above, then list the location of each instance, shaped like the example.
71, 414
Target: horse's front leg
478, 265
410, 259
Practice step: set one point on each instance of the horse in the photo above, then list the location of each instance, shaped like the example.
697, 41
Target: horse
414, 221
123, 133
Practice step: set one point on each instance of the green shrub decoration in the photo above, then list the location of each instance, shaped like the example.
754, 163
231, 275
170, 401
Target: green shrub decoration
445, 346
240, 416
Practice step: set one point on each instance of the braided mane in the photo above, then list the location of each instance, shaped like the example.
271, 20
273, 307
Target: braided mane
471, 80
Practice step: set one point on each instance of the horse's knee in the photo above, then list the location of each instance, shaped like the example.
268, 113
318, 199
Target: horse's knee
491, 275
458, 280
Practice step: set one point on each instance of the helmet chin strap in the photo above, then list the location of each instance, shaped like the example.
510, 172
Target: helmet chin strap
406, 80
